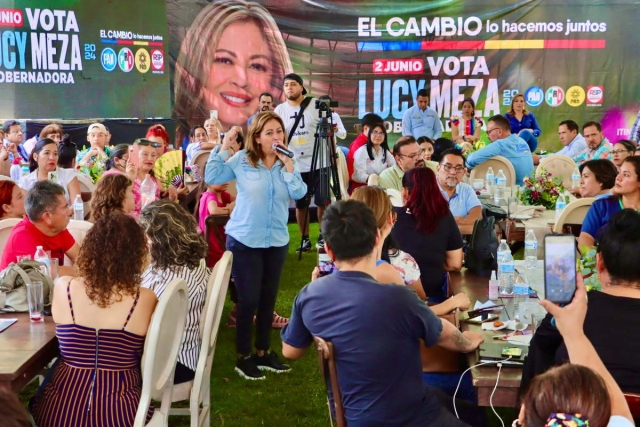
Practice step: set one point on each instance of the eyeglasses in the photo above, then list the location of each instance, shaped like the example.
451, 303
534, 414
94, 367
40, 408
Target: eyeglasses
414, 156
491, 130
619, 152
146, 143
458, 169
376, 133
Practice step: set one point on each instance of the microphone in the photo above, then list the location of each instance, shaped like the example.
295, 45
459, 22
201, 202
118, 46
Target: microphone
282, 150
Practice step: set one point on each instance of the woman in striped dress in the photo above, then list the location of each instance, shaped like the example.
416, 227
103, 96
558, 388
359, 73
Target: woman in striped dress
101, 317
178, 250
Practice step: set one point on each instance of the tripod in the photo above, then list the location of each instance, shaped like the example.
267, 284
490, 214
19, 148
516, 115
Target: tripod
323, 164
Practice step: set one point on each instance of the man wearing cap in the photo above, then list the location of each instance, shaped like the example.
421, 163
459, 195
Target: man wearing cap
97, 137
301, 143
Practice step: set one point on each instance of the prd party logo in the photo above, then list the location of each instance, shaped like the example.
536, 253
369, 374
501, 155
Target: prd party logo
555, 96
109, 59
143, 60
157, 60
595, 96
575, 96
125, 59
534, 96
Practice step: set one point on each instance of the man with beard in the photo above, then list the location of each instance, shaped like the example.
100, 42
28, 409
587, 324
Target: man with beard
408, 155
301, 142
463, 202
598, 147
265, 103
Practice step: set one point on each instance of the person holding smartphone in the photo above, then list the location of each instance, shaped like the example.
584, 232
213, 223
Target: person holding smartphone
257, 233
612, 319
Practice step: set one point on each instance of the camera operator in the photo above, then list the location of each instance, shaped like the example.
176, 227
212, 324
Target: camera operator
301, 116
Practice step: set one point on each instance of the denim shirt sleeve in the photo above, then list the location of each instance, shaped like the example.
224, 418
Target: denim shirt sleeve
296, 187
218, 171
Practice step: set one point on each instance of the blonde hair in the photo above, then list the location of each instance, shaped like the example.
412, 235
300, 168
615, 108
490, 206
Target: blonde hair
197, 53
378, 201
524, 107
251, 146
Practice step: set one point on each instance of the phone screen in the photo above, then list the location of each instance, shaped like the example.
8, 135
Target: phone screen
213, 114
325, 263
560, 268
485, 317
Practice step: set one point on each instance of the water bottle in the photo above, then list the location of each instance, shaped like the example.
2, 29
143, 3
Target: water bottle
520, 290
78, 209
490, 180
147, 191
575, 178
560, 205
507, 272
502, 250
501, 183
16, 170
531, 250
41, 256
24, 170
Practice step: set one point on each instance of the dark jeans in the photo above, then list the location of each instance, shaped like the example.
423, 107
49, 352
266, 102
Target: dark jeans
183, 374
447, 382
531, 140
257, 275
470, 414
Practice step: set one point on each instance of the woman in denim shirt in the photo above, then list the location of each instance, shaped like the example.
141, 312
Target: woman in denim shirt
523, 123
257, 233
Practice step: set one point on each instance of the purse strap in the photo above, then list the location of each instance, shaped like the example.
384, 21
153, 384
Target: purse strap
303, 106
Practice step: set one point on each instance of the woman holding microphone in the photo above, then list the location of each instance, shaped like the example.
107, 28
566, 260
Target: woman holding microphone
257, 232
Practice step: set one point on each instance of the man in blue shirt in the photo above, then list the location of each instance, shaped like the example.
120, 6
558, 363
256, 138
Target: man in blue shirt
420, 120
463, 202
572, 141
505, 144
375, 329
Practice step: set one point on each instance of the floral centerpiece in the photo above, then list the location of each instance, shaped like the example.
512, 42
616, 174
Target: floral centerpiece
587, 267
540, 189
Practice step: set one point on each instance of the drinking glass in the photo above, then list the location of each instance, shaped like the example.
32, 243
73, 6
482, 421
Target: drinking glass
478, 184
35, 299
53, 269
536, 319
21, 258
513, 206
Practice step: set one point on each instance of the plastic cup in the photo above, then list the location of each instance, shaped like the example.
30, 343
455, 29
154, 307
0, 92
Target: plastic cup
35, 299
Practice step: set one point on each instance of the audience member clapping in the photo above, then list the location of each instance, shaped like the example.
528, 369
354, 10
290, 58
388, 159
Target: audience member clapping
178, 251
582, 393
612, 321
626, 192
621, 150
43, 164
11, 200
427, 230
101, 317
597, 178
114, 193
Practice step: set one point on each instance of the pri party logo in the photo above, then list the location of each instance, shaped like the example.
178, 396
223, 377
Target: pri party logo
555, 96
125, 59
575, 96
108, 59
534, 96
157, 60
595, 96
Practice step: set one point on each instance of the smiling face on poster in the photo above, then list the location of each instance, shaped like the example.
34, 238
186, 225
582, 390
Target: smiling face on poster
231, 54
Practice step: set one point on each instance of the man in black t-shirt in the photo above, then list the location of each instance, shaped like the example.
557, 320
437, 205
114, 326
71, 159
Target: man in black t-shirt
375, 329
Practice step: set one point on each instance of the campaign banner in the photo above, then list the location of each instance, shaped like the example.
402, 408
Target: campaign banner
90, 59
576, 59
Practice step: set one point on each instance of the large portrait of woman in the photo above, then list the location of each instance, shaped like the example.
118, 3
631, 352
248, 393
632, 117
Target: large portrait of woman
231, 54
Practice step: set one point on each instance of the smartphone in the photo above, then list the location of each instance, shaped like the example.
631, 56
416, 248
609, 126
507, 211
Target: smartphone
512, 351
325, 263
213, 114
486, 317
560, 268
134, 157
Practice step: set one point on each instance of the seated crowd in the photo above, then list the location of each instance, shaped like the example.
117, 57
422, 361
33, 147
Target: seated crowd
392, 261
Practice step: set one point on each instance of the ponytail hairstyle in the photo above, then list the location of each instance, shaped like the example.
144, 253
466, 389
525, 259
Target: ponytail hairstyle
424, 202
67, 151
117, 153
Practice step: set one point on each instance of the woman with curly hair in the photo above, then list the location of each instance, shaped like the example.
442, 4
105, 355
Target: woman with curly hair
178, 250
114, 193
101, 317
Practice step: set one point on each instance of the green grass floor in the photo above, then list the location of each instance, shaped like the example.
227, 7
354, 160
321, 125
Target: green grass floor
295, 399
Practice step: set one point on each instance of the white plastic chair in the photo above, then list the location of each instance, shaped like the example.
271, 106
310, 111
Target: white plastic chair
5, 178
560, 166
198, 391
497, 163
373, 179
6, 227
86, 186
573, 213
161, 353
200, 159
78, 230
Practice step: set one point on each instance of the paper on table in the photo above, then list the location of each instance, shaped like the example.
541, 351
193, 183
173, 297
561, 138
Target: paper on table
487, 304
5, 323
520, 339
